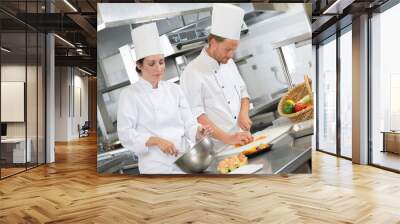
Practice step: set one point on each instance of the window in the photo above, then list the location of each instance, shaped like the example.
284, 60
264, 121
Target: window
22, 64
327, 96
385, 88
346, 93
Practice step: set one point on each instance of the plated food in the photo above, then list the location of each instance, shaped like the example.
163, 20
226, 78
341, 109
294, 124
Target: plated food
255, 139
231, 163
256, 149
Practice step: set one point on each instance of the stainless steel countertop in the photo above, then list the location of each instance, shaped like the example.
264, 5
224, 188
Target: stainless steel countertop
285, 156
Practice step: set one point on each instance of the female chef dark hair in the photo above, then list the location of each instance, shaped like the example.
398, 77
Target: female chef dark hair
139, 62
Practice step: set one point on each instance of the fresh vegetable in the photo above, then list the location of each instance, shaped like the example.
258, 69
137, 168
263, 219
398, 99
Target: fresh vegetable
291, 107
299, 106
305, 100
288, 107
290, 101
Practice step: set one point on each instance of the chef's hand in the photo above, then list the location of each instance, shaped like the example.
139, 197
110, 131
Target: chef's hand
244, 121
166, 146
203, 131
239, 138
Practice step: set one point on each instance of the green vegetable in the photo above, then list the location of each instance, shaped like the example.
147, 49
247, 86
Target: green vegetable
288, 108
305, 100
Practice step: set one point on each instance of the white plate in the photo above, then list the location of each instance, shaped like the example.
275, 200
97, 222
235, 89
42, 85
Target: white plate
247, 169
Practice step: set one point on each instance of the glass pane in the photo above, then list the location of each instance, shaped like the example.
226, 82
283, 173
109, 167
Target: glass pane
114, 70
327, 97
298, 59
386, 89
41, 99
31, 98
346, 94
13, 87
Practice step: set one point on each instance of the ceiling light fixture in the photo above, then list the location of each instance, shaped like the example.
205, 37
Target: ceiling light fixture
337, 7
86, 72
5, 49
70, 5
65, 41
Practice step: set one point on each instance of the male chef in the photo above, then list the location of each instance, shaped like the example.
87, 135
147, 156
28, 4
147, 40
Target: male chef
213, 86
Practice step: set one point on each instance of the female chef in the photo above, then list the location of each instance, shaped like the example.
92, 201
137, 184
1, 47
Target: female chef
154, 118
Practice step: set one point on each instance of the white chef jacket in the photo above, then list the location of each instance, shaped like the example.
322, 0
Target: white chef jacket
215, 90
162, 112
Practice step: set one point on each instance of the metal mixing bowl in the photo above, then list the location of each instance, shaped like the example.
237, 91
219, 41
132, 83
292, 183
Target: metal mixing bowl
198, 158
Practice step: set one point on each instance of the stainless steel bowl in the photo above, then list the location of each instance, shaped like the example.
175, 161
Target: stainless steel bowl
198, 158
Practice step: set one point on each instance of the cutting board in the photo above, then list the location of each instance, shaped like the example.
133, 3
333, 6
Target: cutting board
271, 134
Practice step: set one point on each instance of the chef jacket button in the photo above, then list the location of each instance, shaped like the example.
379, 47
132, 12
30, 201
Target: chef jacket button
234, 117
229, 102
215, 71
222, 87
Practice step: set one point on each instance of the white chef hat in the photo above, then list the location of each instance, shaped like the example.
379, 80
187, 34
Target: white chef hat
226, 21
146, 41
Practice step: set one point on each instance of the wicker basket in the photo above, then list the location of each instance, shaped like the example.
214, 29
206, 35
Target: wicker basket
296, 94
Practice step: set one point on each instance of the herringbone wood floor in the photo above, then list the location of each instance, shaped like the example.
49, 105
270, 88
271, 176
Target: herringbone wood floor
70, 191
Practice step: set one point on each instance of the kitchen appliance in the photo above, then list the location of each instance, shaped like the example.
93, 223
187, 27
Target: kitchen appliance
261, 121
197, 158
117, 161
303, 129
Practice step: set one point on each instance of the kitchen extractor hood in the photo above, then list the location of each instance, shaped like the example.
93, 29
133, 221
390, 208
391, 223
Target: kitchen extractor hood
186, 25
186, 28
119, 14
186, 37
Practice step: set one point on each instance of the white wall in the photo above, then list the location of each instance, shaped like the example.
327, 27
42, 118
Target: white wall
12, 73
80, 83
68, 83
61, 103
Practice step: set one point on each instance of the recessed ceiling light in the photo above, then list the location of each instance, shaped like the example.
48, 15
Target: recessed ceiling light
64, 40
70, 5
86, 72
5, 49
337, 7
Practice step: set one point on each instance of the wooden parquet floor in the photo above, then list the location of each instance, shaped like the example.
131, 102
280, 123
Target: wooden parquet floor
71, 191
10, 171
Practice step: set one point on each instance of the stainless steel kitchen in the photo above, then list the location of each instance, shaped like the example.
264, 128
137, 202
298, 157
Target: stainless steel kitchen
273, 57
199, 112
